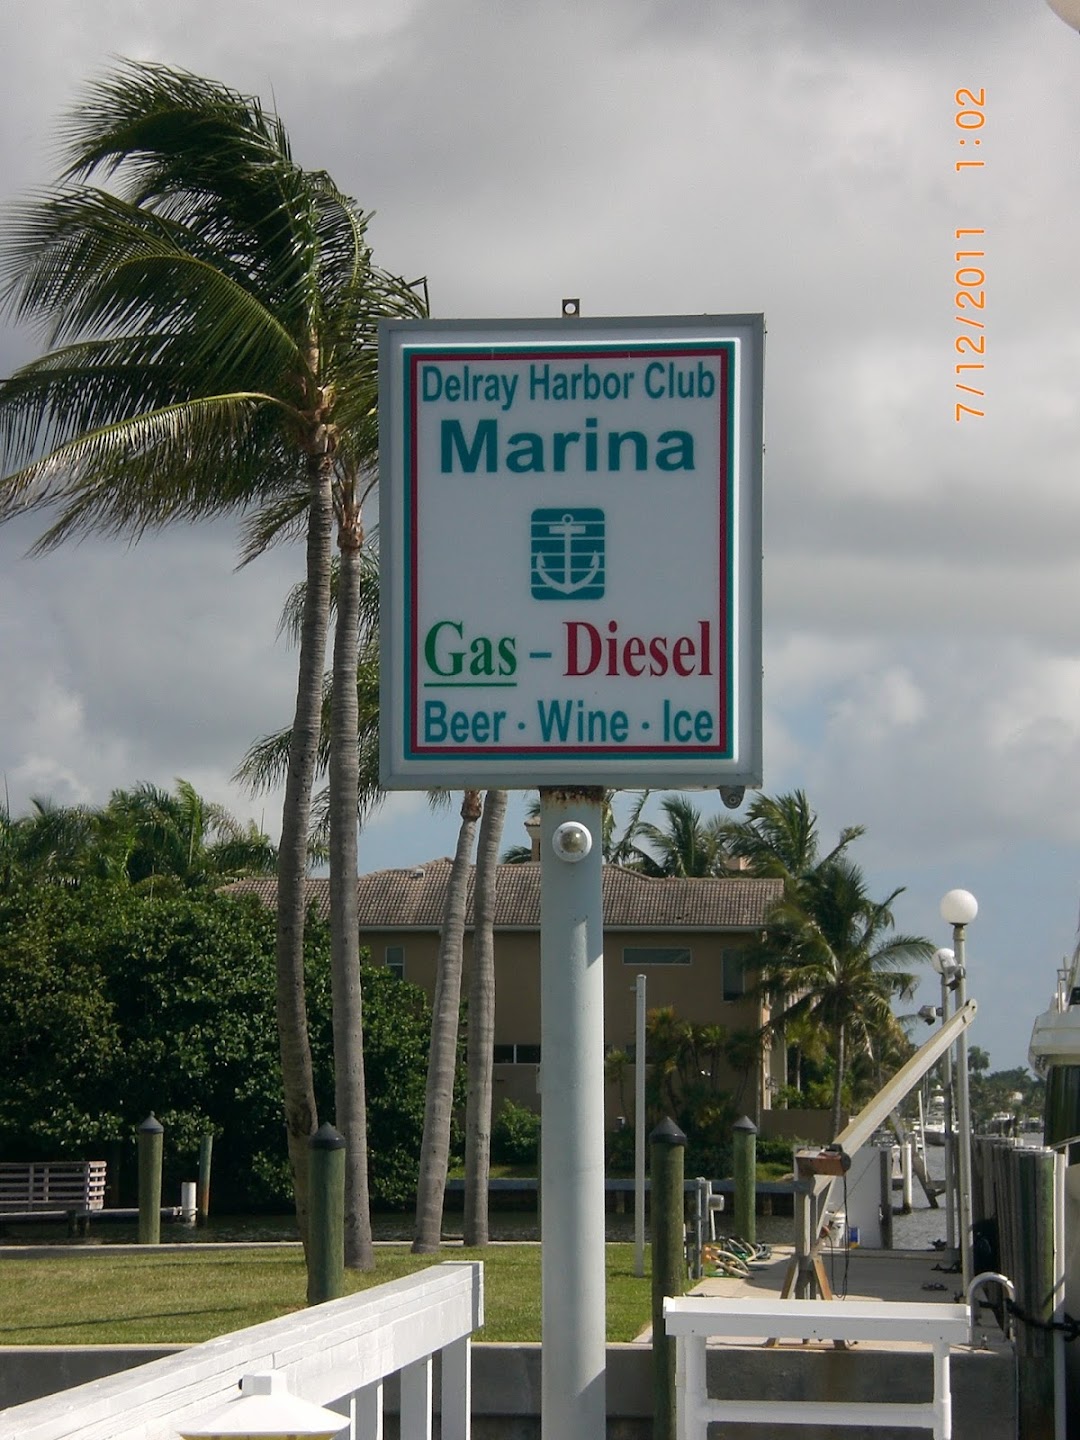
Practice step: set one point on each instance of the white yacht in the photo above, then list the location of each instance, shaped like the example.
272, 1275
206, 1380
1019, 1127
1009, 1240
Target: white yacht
1054, 1053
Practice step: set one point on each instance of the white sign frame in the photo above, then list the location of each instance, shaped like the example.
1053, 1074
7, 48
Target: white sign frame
433, 493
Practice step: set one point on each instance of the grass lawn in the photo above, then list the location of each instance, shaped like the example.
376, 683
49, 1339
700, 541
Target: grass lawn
106, 1299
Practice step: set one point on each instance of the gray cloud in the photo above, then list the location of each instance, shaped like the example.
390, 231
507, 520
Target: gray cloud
793, 156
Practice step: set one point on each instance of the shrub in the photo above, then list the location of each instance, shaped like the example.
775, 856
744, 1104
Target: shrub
515, 1135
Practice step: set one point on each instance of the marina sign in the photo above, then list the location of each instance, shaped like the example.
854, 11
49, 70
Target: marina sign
570, 518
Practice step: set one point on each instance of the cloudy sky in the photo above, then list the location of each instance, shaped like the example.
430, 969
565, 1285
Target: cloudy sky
795, 157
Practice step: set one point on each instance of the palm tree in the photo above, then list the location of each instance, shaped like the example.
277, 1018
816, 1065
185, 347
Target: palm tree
686, 845
442, 1060
348, 749
211, 321
779, 840
481, 1029
67, 845
831, 949
266, 763
183, 841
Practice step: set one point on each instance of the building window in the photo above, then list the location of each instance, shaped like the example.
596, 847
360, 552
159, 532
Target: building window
516, 1055
655, 955
395, 960
734, 978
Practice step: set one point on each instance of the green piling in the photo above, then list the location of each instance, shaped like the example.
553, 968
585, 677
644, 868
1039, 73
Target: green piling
666, 1145
202, 1193
151, 1144
744, 1157
326, 1224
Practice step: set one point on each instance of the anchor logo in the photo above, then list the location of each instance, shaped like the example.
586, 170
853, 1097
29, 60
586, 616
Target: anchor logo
568, 554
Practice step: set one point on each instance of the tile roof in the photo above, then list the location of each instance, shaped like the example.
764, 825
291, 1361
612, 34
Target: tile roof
415, 899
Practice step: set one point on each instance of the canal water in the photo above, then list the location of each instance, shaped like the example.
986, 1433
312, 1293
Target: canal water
917, 1231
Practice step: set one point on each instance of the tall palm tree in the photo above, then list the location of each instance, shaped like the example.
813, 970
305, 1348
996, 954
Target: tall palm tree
210, 322
481, 1029
348, 749
442, 1059
832, 950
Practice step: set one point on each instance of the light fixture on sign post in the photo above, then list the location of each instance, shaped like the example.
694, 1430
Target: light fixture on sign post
958, 909
264, 1410
572, 842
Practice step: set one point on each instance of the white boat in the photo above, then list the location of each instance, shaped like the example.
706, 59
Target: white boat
1055, 1039
933, 1122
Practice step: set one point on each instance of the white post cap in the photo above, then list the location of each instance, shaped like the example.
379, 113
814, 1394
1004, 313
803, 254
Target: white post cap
264, 1410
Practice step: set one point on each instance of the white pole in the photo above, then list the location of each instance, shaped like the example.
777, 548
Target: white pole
639, 1127
963, 1118
907, 1173
950, 1140
573, 1390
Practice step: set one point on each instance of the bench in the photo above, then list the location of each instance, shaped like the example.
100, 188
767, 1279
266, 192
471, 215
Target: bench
36, 1186
690, 1320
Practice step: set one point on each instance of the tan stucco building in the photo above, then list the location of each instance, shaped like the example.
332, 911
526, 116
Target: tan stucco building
687, 937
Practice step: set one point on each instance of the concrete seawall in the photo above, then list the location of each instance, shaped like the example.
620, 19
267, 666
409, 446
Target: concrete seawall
506, 1384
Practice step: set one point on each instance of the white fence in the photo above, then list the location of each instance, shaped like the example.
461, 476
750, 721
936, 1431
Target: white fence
337, 1354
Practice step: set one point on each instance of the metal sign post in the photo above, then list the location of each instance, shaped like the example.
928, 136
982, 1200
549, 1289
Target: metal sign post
570, 581
573, 1390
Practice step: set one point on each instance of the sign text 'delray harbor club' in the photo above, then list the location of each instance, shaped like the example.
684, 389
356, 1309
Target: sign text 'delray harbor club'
571, 552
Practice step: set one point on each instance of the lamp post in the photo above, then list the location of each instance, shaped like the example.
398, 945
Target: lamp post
958, 909
264, 1410
944, 962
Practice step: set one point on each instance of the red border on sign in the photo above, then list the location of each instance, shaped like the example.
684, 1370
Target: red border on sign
722, 749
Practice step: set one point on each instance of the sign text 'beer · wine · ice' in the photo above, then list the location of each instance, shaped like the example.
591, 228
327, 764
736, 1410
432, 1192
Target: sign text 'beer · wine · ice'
570, 518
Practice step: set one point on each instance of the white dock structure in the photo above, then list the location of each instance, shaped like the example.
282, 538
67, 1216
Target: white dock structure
694, 1319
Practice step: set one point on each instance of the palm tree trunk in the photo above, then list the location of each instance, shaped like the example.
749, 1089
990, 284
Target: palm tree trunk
349, 1098
435, 1147
301, 1118
838, 1080
481, 1028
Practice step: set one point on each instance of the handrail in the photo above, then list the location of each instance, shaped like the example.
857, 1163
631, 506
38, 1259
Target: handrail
337, 1354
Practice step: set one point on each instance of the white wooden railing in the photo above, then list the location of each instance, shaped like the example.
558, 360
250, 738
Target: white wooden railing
337, 1354
692, 1319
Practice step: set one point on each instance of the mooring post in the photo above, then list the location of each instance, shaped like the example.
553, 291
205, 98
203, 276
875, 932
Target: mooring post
151, 1145
572, 1257
666, 1143
885, 1171
326, 1222
202, 1201
1035, 1293
744, 1159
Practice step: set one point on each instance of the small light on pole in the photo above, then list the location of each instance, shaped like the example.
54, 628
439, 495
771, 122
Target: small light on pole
958, 909
264, 1410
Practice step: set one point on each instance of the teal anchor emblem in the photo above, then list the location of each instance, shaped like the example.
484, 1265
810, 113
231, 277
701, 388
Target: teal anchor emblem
568, 554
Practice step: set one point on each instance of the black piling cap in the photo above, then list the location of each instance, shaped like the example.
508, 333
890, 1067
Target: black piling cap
326, 1138
151, 1126
745, 1124
667, 1133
